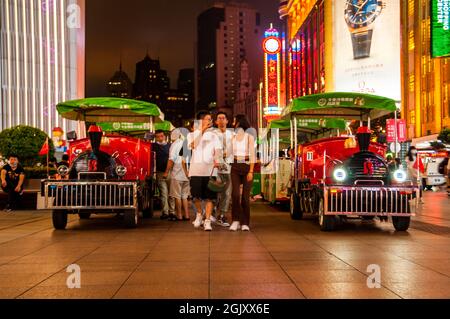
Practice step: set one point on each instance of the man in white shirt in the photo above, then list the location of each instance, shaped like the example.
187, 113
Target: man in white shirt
206, 154
226, 137
179, 181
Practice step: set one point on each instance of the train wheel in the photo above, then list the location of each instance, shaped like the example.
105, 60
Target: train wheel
294, 208
326, 222
59, 218
131, 217
84, 215
401, 223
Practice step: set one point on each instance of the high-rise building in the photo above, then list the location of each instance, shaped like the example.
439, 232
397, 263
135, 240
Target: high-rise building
177, 107
246, 97
208, 22
42, 61
120, 84
186, 80
151, 82
227, 33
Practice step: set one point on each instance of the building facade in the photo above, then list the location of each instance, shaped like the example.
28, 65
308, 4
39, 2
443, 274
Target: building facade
177, 107
328, 50
426, 79
120, 85
186, 80
246, 98
227, 34
208, 22
151, 82
42, 61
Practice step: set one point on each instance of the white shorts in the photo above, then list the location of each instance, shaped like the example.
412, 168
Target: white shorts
179, 189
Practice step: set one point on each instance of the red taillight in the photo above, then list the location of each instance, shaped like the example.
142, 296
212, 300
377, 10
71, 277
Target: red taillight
406, 192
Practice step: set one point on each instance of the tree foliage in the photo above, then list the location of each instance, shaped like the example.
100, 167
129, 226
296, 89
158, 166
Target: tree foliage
444, 136
25, 142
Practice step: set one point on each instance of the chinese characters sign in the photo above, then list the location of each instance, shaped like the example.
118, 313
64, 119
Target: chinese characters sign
272, 66
390, 130
440, 28
272, 85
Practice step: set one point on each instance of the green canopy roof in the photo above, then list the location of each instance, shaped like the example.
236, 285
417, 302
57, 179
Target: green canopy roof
341, 104
311, 123
109, 109
134, 127
164, 126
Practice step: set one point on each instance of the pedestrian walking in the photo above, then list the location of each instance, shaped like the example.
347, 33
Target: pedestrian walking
12, 178
161, 149
179, 181
242, 172
225, 135
206, 154
415, 169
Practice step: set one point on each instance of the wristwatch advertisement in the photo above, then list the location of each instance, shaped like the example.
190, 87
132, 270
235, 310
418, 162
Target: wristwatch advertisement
361, 16
366, 47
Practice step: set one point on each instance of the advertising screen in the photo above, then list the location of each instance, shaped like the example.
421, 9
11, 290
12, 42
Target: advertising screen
366, 46
440, 28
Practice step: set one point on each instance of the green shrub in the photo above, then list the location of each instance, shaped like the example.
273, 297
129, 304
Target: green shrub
444, 136
25, 142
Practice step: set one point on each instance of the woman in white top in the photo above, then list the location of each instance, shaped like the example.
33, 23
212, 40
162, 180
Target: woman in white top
415, 168
242, 172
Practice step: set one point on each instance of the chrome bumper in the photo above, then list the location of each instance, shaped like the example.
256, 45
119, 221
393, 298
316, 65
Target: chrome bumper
90, 194
370, 201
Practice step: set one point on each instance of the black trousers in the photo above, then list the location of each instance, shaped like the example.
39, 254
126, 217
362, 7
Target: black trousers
13, 196
240, 202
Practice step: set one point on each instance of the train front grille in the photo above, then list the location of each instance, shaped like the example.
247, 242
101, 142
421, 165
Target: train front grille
90, 195
369, 200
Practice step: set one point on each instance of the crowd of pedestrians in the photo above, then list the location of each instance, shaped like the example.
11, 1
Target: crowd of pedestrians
210, 151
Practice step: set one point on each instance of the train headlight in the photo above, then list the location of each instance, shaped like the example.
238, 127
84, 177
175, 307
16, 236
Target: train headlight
339, 174
63, 170
121, 170
399, 176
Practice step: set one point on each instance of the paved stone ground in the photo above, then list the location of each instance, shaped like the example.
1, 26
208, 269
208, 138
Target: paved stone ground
279, 258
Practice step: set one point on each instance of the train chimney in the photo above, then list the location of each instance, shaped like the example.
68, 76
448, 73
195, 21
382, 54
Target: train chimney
95, 136
363, 136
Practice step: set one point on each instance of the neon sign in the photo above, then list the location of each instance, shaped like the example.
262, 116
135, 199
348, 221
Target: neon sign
272, 49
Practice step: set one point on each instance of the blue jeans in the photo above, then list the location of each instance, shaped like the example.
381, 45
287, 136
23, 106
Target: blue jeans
223, 198
167, 203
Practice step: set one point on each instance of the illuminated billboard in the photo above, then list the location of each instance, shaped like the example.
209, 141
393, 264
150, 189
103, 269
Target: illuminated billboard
366, 37
440, 28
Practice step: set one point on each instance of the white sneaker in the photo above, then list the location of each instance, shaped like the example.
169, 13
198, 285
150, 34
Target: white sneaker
234, 226
213, 219
198, 221
207, 225
245, 228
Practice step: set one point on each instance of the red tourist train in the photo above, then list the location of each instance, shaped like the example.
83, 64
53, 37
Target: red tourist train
108, 172
342, 177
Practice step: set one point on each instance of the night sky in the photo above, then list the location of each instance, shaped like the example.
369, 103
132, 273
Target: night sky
166, 28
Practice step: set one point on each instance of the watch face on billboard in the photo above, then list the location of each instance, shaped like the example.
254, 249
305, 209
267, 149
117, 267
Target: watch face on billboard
440, 28
366, 37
